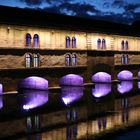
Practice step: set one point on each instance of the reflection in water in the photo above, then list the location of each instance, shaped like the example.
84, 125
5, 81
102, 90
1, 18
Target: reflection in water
124, 110
101, 90
71, 94
139, 85
125, 86
34, 98
1, 102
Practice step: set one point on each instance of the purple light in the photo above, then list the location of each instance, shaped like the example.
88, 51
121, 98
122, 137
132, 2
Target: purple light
33, 98
102, 77
71, 94
101, 90
125, 86
71, 80
1, 89
33, 82
139, 74
139, 85
1, 102
125, 75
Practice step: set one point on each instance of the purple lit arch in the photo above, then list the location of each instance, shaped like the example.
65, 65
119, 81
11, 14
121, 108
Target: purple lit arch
101, 77
71, 80
33, 82
71, 94
125, 75
33, 98
125, 86
101, 90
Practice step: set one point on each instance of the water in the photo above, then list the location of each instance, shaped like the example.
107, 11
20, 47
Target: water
72, 113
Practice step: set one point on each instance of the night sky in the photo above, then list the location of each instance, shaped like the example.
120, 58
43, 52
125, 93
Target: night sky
122, 11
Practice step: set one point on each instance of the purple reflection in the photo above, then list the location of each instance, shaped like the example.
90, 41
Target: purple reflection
1, 102
102, 77
71, 80
33, 98
139, 74
33, 82
139, 85
125, 75
1, 89
101, 90
71, 94
125, 86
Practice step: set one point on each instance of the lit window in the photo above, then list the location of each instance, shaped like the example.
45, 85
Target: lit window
36, 60
122, 44
28, 60
103, 44
67, 42
126, 45
123, 59
68, 60
28, 40
36, 41
74, 60
99, 43
73, 42
126, 59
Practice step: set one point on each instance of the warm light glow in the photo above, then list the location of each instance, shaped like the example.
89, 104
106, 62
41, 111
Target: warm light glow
101, 90
102, 77
33, 98
125, 75
125, 86
71, 80
71, 94
33, 82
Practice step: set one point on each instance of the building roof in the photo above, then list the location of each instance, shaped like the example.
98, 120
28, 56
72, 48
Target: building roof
37, 18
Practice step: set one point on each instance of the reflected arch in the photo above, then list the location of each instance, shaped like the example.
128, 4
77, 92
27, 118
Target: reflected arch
33, 82
71, 80
139, 74
101, 77
125, 75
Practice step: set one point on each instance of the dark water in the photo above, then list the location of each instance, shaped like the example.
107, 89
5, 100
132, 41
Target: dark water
72, 113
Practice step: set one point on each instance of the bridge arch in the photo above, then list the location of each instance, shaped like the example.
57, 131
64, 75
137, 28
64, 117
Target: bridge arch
71, 80
125, 75
33, 82
101, 77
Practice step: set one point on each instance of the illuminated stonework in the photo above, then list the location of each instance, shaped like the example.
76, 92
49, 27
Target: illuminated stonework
33, 82
102, 77
71, 80
125, 75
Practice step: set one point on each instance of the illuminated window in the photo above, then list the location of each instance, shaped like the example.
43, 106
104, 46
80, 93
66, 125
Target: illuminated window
99, 43
126, 45
122, 44
103, 44
74, 60
36, 41
123, 59
68, 60
126, 59
73, 42
28, 40
36, 60
67, 42
28, 60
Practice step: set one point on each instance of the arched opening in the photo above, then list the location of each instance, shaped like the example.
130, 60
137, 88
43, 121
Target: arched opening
101, 77
28, 40
73, 42
36, 41
68, 60
99, 43
122, 44
73, 59
103, 44
28, 60
67, 42
125, 75
33, 82
126, 45
36, 60
71, 80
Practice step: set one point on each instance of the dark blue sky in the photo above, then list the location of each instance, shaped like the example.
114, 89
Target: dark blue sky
123, 11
